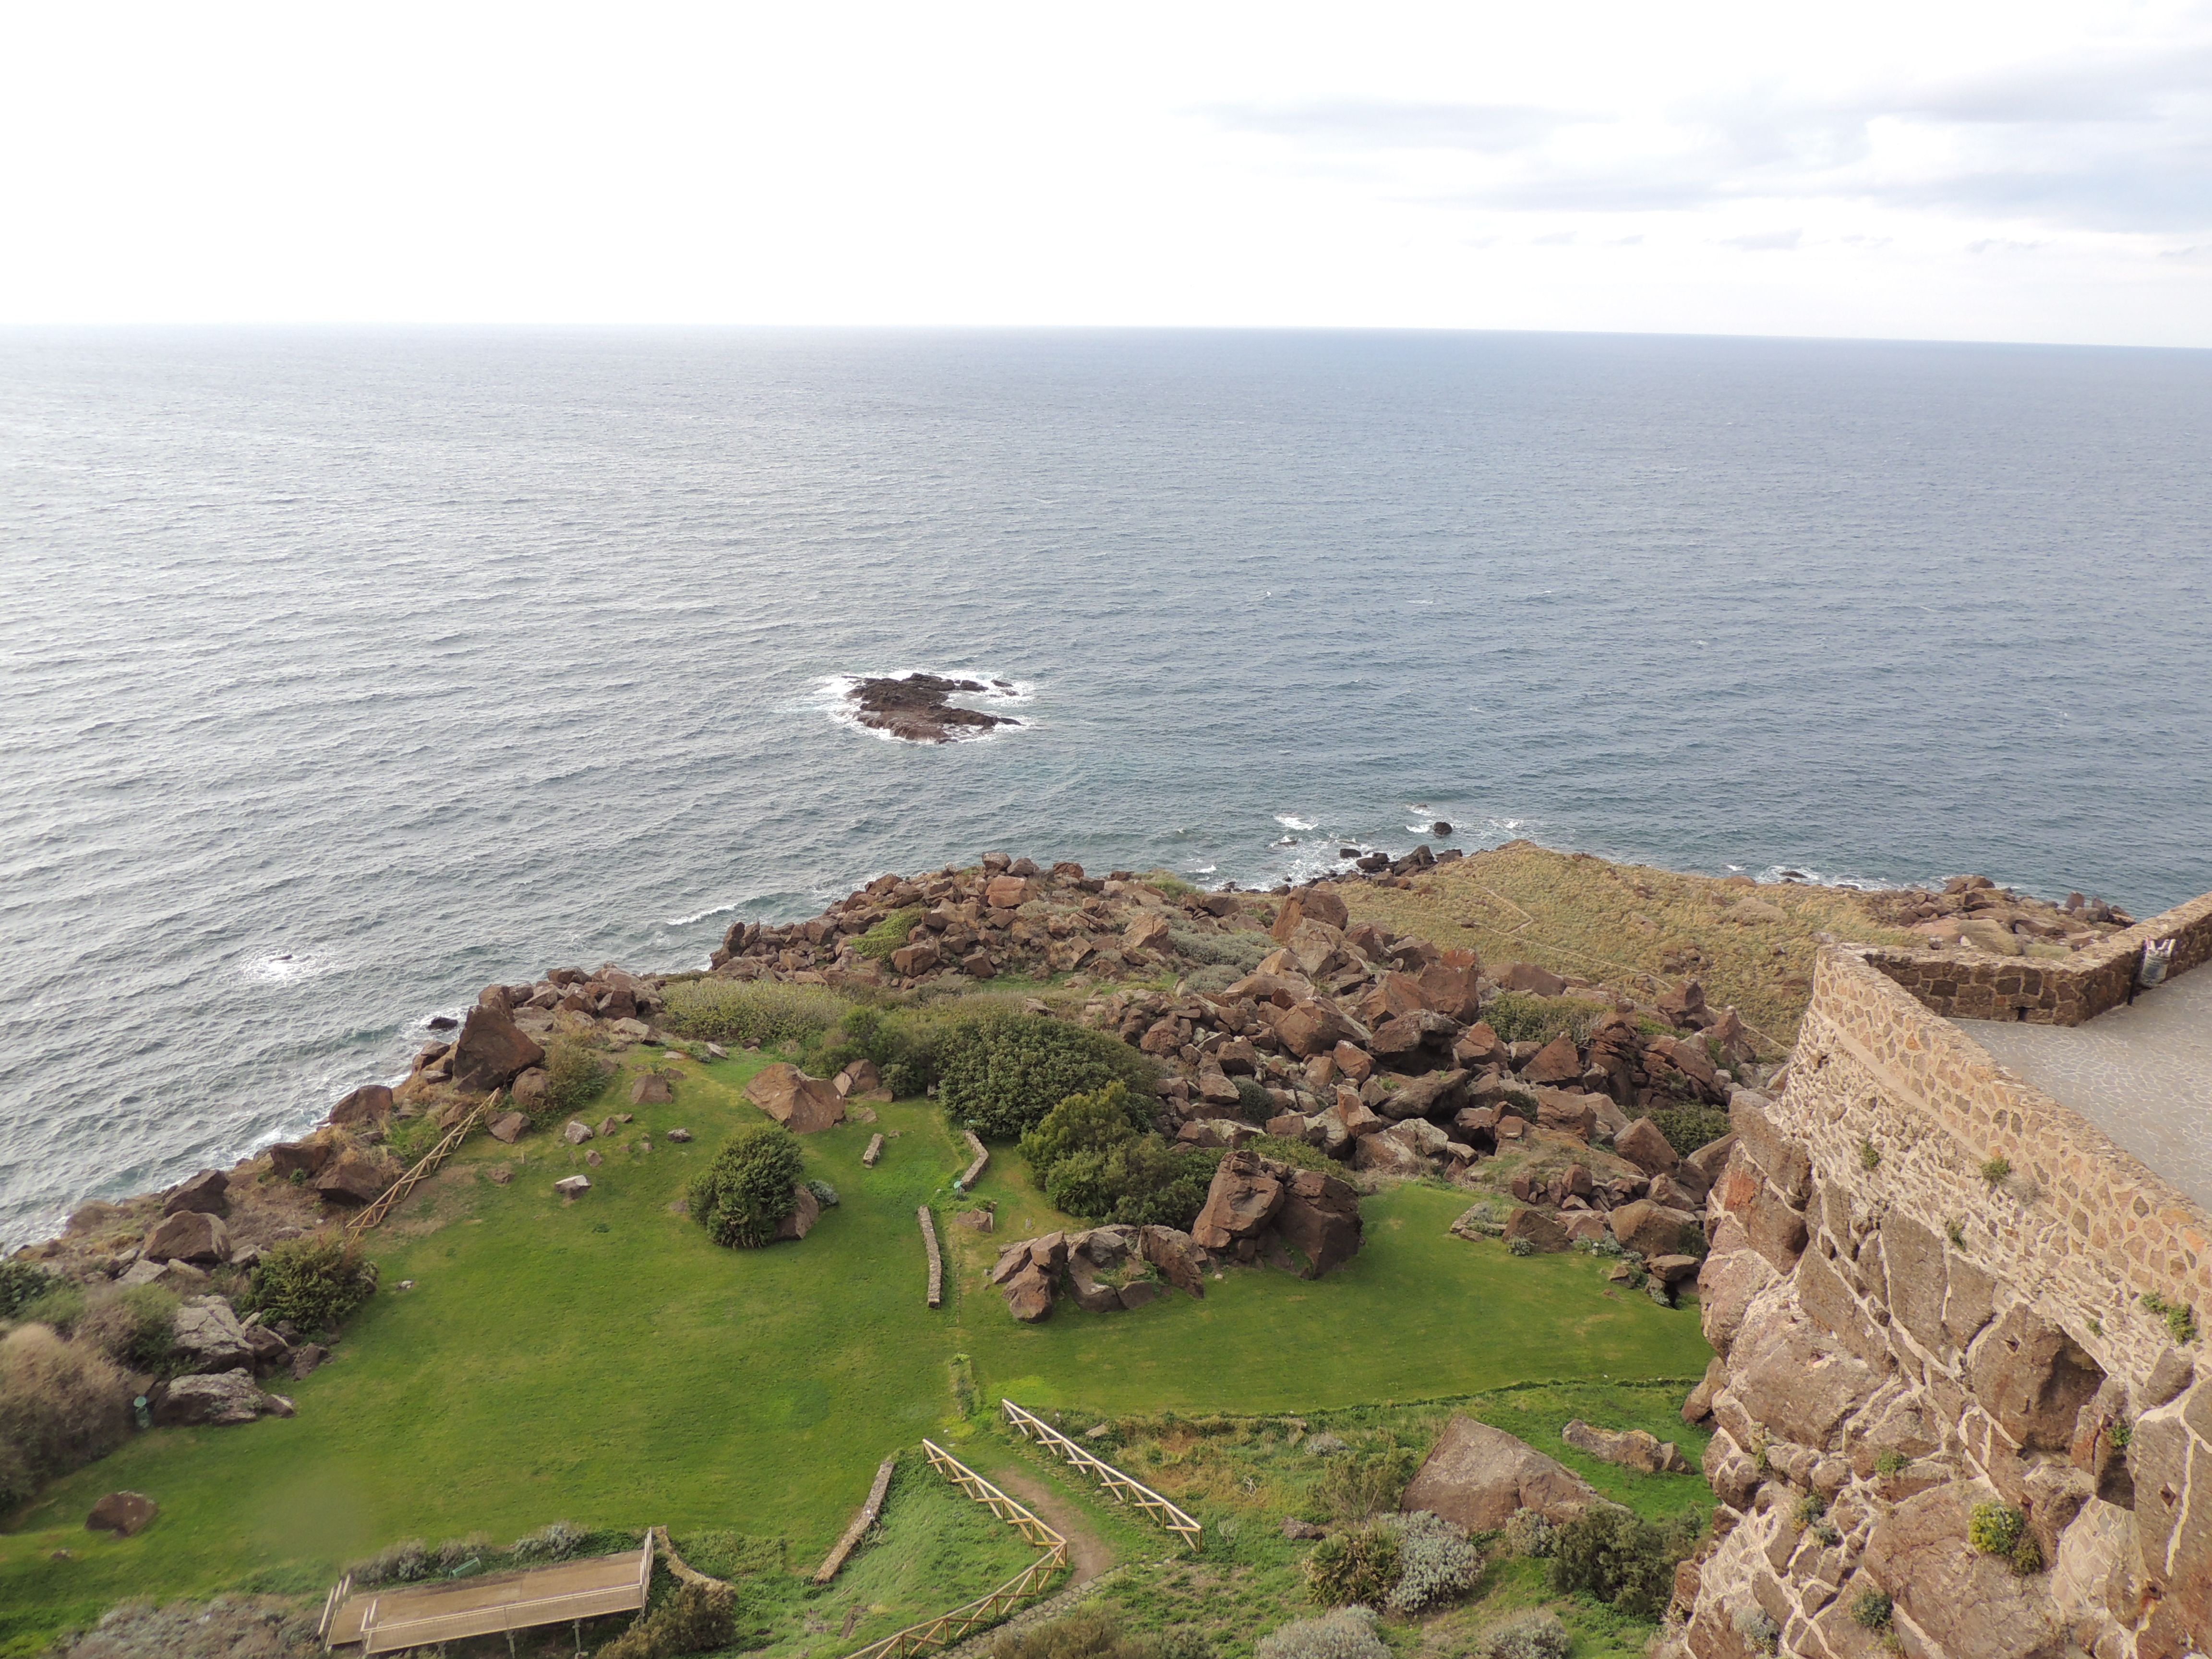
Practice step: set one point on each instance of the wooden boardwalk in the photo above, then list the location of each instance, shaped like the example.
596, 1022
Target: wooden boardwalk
492, 1603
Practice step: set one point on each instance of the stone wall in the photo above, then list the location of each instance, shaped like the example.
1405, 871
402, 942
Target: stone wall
1901, 1338
1968, 984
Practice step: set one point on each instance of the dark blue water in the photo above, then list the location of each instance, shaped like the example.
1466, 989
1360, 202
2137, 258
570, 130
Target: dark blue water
341, 673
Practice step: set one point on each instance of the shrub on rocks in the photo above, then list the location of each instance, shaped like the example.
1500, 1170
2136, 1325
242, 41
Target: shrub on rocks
1356, 1484
749, 1188
62, 1405
1348, 1634
887, 935
316, 1282
1001, 1074
573, 1079
1097, 1159
1435, 1564
1518, 1017
697, 1619
21, 1283
1689, 1128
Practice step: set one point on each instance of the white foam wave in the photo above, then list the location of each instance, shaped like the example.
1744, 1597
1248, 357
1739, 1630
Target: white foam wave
287, 968
1807, 874
701, 915
1291, 821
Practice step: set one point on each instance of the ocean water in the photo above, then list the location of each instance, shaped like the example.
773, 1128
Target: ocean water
341, 673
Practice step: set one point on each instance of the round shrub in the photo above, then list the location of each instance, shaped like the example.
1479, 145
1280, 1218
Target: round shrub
1001, 1074
1349, 1567
1629, 1563
62, 1405
748, 1190
824, 1193
1348, 1634
697, 1619
1435, 1564
21, 1283
315, 1281
1532, 1636
1529, 1535
1873, 1611
574, 1078
1996, 1528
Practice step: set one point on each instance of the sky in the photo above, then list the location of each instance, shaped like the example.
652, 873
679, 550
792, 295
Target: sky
1988, 172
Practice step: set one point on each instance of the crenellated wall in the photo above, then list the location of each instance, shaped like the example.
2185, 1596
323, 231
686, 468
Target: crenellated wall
1902, 1338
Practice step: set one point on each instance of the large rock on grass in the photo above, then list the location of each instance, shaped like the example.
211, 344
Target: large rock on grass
1319, 1219
208, 1336
803, 1104
1477, 1476
491, 1050
217, 1400
126, 1514
1242, 1200
1632, 1448
804, 1214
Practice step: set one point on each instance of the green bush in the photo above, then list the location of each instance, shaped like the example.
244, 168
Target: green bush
315, 1282
1998, 1170
905, 1044
1097, 1122
1627, 1562
1348, 1634
769, 1012
1157, 1185
60, 1304
1356, 1484
1689, 1128
1529, 1533
1872, 1610
888, 935
574, 1078
21, 1283
1095, 1161
1996, 1528
1517, 1017
1254, 1104
697, 1619
747, 1191
1000, 1074
1296, 1153
1354, 1568
62, 1405
2181, 1318
134, 1327
1240, 951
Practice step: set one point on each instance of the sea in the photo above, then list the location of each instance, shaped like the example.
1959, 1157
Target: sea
342, 672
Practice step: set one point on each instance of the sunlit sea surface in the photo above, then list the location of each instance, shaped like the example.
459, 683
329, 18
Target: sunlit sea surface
343, 673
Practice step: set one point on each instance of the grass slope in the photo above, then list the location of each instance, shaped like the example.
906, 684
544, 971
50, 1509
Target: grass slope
1624, 923
603, 1362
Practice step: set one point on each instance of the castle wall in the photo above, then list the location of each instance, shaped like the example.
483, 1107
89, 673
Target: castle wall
1902, 1338
1967, 984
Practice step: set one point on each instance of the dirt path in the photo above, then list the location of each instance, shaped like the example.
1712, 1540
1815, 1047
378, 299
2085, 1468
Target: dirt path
1086, 1550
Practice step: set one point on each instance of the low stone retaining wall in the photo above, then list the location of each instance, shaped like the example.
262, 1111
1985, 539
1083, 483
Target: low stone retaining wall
936, 1256
982, 1158
861, 1522
1965, 984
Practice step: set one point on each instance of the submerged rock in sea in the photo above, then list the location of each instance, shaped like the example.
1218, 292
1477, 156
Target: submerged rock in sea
917, 707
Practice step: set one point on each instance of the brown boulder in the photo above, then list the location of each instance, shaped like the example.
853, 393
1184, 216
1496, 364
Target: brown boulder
370, 1104
1478, 1046
189, 1236
1632, 1448
203, 1192
1311, 1028
1319, 1219
1389, 1155
1452, 985
1542, 1232
1028, 1293
1322, 903
490, 1050
507, 1128
1643, 1143
1732, 1275
1147, 931
1966, 1604
1572, 1115
1439, 1094
290, 1157
914, 960
651, 1089
530, 1089
1652, 1230
1177, 1256
1243, 1199
126, 1514
1476, 1476
1392, 995
354, 1178
803, 1104
1798, 1384
800, 1222
1557, 1061
1008, 893
1528, 978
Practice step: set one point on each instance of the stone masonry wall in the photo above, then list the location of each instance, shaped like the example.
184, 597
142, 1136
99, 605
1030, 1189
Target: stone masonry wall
1967, 984
1901, 1339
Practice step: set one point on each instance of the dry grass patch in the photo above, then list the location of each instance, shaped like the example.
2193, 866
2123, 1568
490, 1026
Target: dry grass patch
1633, 925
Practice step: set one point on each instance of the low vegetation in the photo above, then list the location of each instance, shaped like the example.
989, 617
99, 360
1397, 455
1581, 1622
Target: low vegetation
1095, 1633
1000, 1075
574, 1078
747, 1012
1098, 1159
697, 1619
317, 1282
62, 1405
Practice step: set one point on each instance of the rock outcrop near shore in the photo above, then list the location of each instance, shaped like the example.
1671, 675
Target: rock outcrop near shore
918, 707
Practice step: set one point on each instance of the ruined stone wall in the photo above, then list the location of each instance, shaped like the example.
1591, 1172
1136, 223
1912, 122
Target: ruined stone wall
1967, 984
1901, 1339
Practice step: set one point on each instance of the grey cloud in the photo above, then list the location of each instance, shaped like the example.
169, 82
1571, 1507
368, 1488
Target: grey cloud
2124, 143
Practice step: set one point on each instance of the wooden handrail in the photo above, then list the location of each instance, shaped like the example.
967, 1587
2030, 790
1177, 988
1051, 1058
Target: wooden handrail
1124, 1489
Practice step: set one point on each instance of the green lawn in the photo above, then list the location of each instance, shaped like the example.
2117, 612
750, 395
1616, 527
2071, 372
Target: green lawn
603, 1362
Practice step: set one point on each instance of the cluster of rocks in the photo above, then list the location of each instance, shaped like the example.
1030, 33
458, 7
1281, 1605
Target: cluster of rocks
1258, 1209
1973, 911
918, 707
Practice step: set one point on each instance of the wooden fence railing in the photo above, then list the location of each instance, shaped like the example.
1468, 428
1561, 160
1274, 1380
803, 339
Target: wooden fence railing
339, 1591
1124, 1489
963, 1622
424, 1167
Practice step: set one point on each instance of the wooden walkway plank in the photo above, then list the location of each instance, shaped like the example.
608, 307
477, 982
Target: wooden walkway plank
861, 1522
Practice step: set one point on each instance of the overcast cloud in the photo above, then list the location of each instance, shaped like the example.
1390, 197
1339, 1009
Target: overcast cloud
2019, 170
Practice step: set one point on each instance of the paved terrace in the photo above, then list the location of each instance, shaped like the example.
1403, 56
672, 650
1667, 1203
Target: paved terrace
2142, 1073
